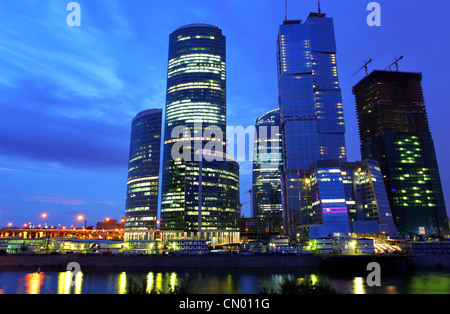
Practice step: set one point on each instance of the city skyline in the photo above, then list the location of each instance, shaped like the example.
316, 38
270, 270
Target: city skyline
67, 109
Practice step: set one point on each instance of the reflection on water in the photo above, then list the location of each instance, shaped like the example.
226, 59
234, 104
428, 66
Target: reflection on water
211, 281
33, 283
359, 285
430, 283
67, 282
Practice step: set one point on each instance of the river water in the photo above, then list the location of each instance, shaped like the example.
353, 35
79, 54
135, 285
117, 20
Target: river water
209, 281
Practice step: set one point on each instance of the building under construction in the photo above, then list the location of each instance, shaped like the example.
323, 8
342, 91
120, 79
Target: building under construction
394, 130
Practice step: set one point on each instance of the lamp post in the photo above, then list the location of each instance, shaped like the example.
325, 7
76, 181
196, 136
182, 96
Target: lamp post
44, 215
80, 218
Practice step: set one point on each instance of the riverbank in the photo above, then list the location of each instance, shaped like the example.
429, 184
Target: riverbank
160, 261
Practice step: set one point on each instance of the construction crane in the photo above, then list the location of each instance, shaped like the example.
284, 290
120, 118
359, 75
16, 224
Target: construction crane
250, 201
366, 63
395, 62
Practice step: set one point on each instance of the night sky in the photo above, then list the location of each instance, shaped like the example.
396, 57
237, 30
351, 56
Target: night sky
68, 94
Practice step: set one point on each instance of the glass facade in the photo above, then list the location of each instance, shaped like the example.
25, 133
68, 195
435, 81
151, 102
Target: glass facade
143, 176
311, 106
200, 189
366, 195
344, 196
394, 131
329, 206
267, 170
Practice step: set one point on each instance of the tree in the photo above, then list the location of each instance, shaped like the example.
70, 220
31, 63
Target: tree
292, 286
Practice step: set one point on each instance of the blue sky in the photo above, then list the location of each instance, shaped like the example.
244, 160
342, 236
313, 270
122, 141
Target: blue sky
68, 94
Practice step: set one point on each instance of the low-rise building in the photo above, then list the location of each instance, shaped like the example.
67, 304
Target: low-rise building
422, 247
139, 247
187, 247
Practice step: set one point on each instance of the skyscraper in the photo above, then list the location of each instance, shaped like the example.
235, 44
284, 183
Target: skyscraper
394, 130
143, 176
311, 106
267, 170
200, 187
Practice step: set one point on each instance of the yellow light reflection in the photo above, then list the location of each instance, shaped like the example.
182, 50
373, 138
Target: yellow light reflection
158, 284
173, 280
66, 280
122, 283
150, 282
314, 279
229, 284
34, 282
359, 285
78, 282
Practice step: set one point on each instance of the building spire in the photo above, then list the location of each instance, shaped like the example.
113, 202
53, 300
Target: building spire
285, 16
320, 12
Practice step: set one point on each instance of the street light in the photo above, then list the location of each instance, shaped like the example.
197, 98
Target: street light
80, 218
44, 215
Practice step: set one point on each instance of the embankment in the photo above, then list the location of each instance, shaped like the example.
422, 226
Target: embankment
333, 264
160, 261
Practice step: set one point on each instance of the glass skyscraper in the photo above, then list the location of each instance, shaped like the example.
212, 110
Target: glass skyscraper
143, 176
394, 130
267, 170
347, 197
311, 106
200, 192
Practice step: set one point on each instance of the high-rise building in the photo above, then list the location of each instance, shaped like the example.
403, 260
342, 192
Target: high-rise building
267, 170
394, 131
143, 176
200, 184
311, 106
347, 197
366, 196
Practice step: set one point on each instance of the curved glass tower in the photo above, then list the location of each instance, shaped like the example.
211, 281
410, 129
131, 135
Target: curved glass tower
195, 120
267, 171
143, 176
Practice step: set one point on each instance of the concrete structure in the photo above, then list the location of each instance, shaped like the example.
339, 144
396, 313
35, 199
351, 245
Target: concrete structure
394, 130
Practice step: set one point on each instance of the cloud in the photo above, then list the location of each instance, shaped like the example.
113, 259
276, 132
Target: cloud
109, 203
37, 124
57, 200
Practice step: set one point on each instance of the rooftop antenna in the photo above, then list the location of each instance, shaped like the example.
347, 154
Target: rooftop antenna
285, 17
320, 12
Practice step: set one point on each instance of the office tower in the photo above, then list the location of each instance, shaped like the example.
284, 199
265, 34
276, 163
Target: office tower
143, 176
267, 170
329, 207
311, 105
200, 189
366, 197
394, 131
347, 197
